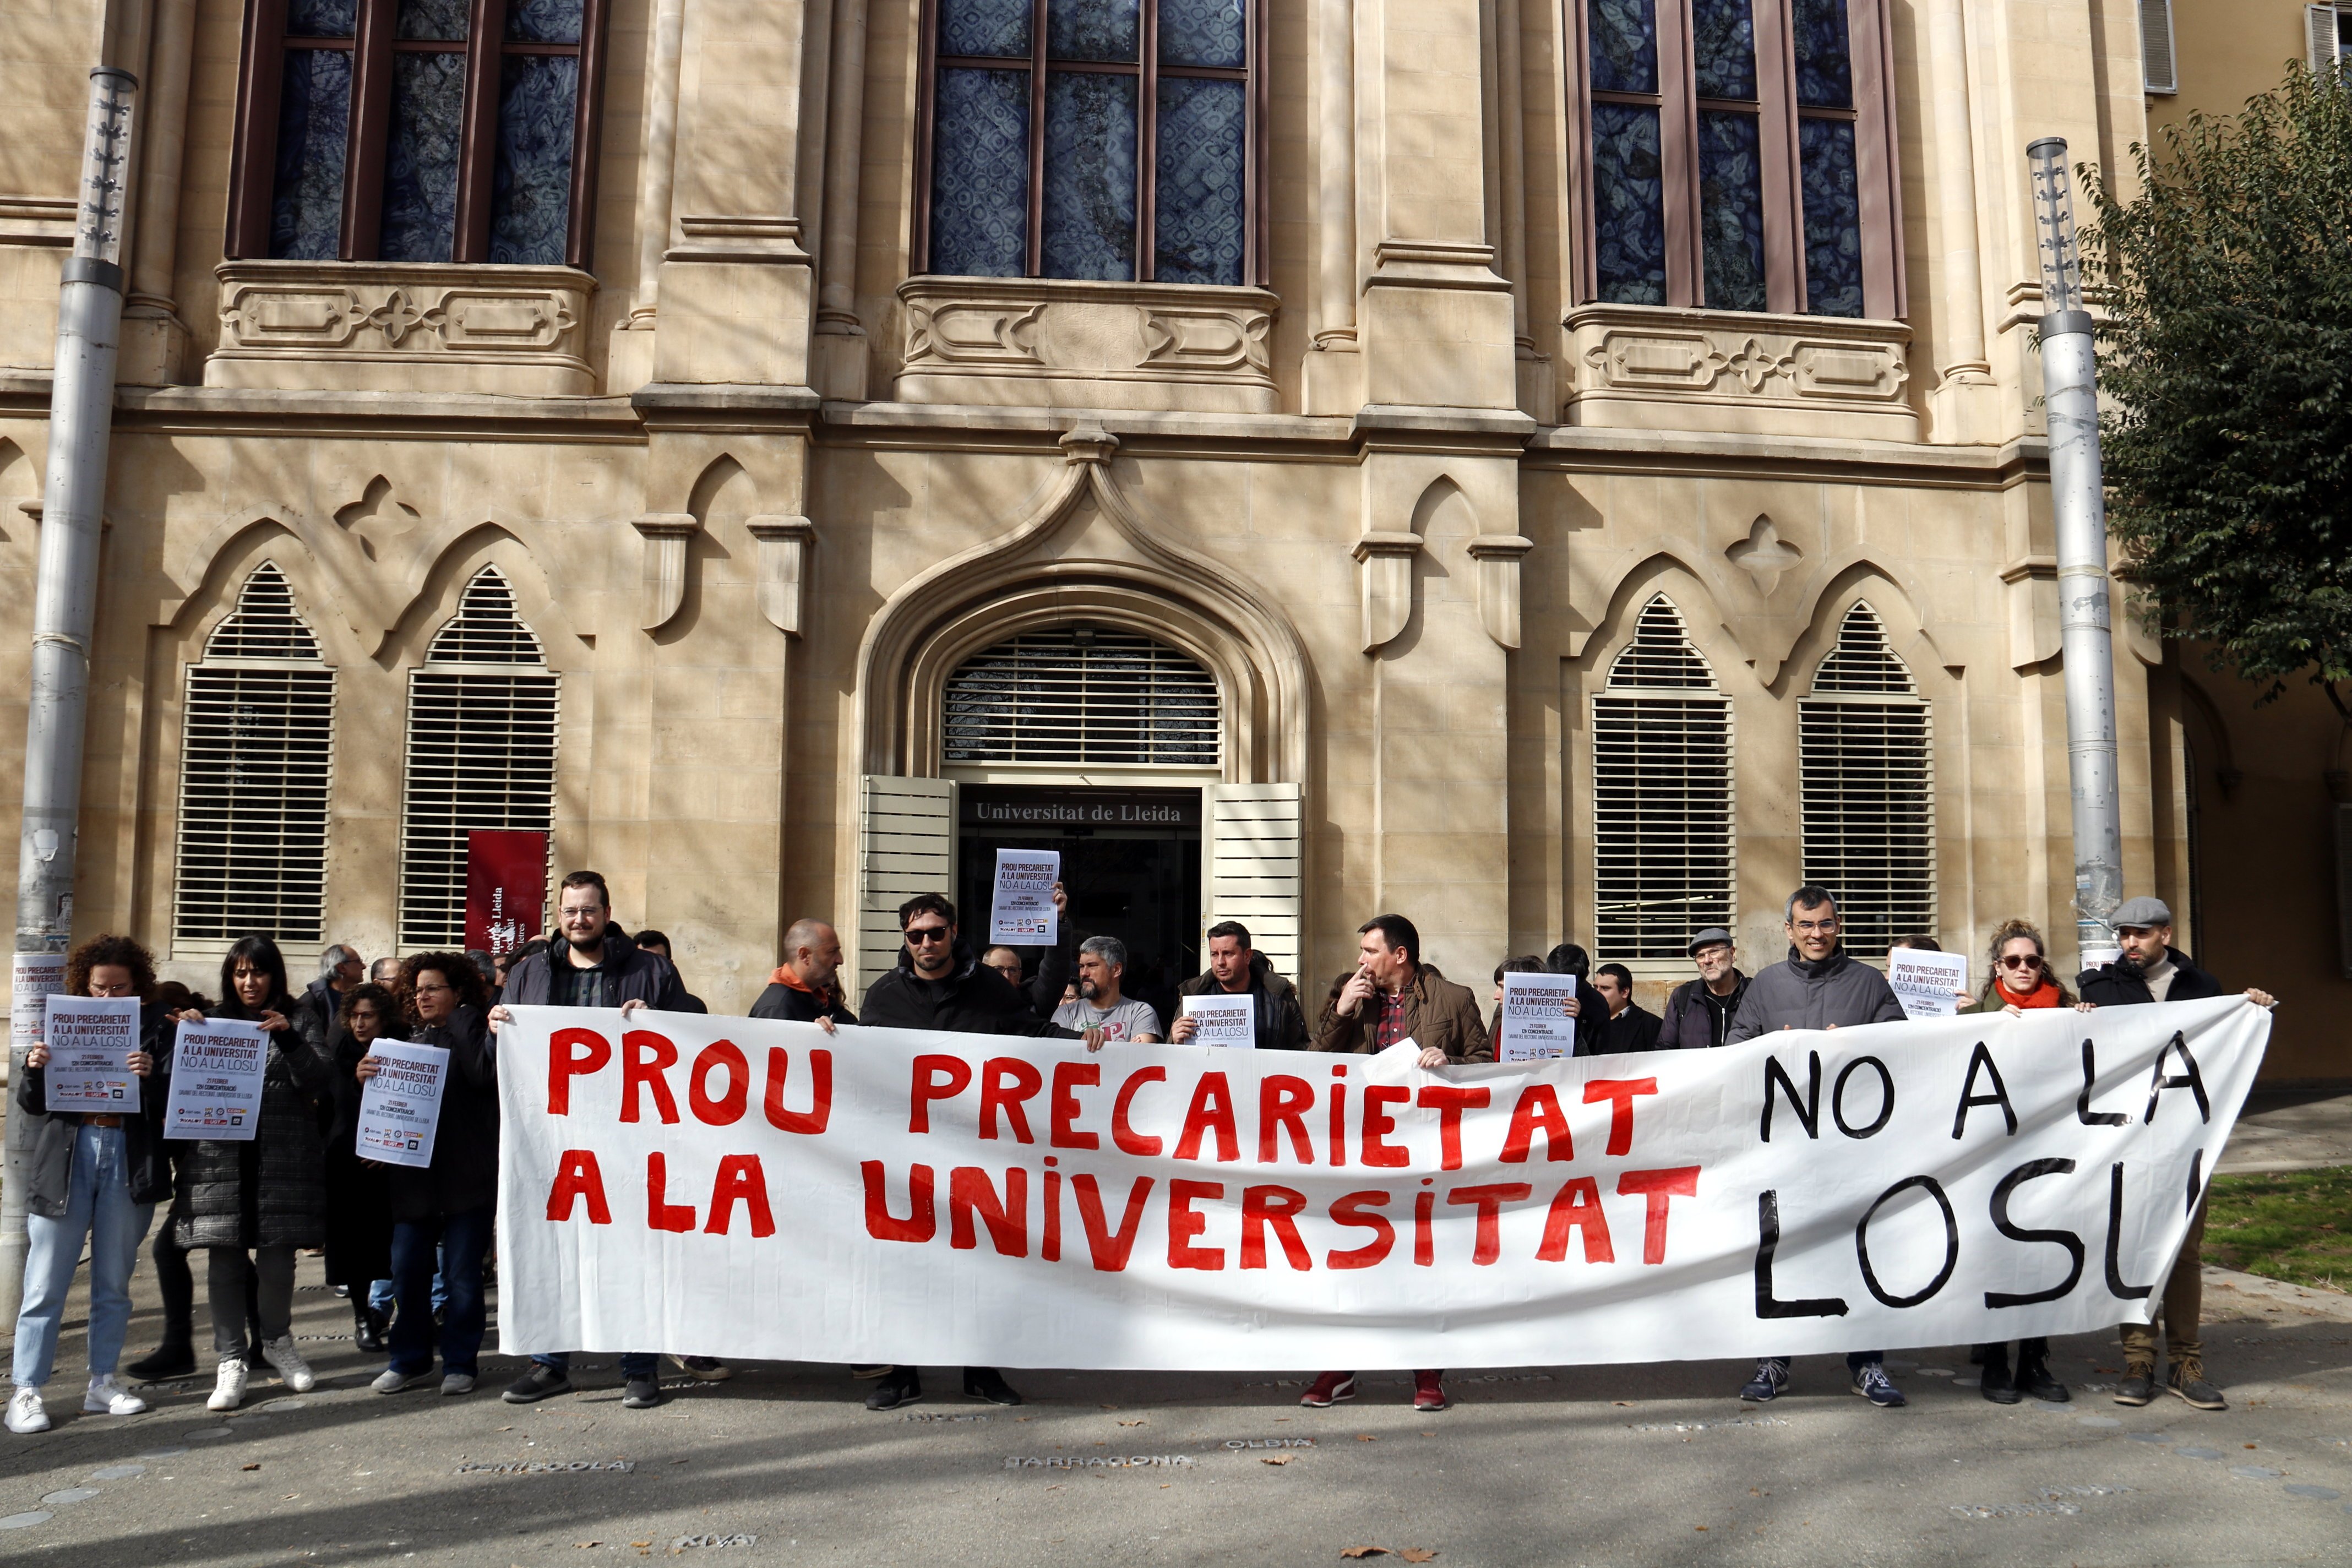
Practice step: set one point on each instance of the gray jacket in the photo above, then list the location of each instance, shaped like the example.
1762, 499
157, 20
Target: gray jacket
1801, 995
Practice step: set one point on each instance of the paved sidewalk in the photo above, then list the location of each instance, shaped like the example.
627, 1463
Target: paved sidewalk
1534, 1464
2279, 1134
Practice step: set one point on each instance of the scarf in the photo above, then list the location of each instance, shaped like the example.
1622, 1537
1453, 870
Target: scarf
2043, 994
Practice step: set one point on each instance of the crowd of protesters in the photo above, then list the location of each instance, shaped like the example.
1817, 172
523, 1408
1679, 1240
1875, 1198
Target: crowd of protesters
411, 1248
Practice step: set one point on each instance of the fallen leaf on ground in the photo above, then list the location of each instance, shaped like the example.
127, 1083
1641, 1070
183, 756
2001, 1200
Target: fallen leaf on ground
290, 1497
1364, 1551
249, 1466
1110, 1408
2249, 1445
1418, 1553
1626, 1403
1700, 1527
1368, 1437
1274, 1459
584, 1545
1138, 1421
641, 1543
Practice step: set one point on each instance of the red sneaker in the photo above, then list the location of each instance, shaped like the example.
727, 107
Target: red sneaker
1328, 1390
1428, 1393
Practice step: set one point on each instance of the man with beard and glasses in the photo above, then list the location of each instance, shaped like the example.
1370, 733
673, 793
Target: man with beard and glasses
2152, 969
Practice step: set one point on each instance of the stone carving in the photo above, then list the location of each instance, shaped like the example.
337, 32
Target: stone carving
667, 536
402, 326
1764, 554
1016, 341
784, 543
1643, 367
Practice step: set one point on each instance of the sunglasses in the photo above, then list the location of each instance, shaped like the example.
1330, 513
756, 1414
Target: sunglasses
2020, 961
926, 934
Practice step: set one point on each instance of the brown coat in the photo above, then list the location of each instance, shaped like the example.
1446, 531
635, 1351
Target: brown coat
1436, 1013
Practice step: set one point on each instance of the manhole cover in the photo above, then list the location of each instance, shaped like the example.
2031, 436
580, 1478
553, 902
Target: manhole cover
39, 1515
118, 1472
70, 1494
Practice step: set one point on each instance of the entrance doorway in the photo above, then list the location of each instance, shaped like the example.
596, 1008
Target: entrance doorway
1130, 863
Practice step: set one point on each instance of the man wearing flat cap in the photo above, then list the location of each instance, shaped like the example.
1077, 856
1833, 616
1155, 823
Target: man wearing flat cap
1699, 1012
2152, 969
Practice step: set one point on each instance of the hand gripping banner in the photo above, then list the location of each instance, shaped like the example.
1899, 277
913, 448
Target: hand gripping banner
744, 1188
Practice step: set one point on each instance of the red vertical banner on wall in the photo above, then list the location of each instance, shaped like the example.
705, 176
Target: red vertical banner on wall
506, 888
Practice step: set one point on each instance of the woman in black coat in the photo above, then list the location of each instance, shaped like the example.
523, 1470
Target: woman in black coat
450, 1205
267, 1196
359, 1202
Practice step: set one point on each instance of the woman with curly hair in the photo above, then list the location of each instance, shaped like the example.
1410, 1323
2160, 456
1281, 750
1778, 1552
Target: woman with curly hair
451, 1205
264, 1197
95, 1177
359, 1202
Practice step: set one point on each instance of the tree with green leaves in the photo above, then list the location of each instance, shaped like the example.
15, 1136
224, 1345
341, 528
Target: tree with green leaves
2226, 361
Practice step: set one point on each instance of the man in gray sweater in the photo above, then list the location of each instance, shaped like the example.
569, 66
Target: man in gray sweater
1819, 987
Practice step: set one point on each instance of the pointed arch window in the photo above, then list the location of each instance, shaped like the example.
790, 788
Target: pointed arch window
1082, 694
1866, 786
1663, 803
257, 765
482, 720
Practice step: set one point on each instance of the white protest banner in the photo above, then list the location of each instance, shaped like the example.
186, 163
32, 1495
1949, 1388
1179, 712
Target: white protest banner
216, 1069
1023, 909
1538, 1017
401, 1105
31, 977
1927, 983
1225, 1019
734, 1187
91, 1041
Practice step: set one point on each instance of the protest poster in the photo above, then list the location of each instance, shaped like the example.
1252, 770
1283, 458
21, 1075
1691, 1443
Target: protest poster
1538, 1017
770, 1192
31, 976
1022, 911
216, 1068
90, 1040
1927, 982
1225, 1019
401, 1105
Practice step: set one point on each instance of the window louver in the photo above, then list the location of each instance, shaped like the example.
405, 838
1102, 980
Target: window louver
1867, 789
2157, 72
257, 761
1662, 799
1078, 694
481, 754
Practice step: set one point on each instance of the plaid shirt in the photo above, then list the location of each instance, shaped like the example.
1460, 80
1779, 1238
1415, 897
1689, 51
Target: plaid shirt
1392, 1026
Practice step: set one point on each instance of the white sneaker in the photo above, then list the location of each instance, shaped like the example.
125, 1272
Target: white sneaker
106, 1397
229, 1385
292, 1370
24, 1412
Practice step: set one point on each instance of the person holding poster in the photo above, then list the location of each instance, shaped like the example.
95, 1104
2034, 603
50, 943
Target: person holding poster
1237, 969
1552, 1008
359, 1208
449, 1206
95, 1177
266, 1197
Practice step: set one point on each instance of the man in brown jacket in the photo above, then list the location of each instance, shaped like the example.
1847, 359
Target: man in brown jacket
1393, 996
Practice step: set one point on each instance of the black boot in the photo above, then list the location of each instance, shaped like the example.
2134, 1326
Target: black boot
2034, 1374
1997, 1386
367, 1327
173, 1358
899, 1385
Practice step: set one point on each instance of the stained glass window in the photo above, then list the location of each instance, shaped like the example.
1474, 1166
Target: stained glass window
397, 176
1060, 151
1629, 202
1731, 211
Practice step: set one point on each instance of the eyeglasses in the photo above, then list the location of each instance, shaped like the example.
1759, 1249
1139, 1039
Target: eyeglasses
921, 935
2020, 961
1829, 924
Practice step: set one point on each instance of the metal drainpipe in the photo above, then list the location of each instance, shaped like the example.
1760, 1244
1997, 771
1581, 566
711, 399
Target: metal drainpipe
2079, 515
81, 409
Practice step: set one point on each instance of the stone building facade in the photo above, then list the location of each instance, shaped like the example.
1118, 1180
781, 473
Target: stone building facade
1553, 469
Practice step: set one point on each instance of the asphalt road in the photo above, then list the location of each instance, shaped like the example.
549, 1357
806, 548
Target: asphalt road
1534, 1465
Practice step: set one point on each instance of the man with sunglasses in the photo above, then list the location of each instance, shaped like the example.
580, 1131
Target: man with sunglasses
941, 984
1819, 987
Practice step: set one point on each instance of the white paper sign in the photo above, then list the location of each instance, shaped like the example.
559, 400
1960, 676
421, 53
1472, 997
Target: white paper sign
1924, 982
33, 976
216, 1069
1022, 912
1225, 1019
401, 1105
1536, 1023
91, 1041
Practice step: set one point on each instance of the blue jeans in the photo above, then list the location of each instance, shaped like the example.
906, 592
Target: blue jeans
461, 1241
382, 1295
98, 1207
634, 1363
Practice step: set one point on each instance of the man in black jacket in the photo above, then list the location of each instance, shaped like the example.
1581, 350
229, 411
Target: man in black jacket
657, 943
1592, 1012
1631, 1026
2152, 969
1699, 1012
1235, 968
806, 987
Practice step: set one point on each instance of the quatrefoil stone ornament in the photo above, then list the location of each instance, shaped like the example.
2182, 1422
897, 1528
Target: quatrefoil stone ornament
1754, 365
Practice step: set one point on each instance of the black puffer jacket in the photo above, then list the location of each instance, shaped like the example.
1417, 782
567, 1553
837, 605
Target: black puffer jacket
2113, 986
51, 1184
973, 999
271, 1191
464, 1174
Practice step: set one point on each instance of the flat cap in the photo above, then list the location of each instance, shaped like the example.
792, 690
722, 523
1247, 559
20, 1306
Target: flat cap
2142, 911
1708, 938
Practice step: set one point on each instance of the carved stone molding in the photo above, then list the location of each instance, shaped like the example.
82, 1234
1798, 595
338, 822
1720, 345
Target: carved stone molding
784, 543
1498, 556
1024, 342
1385, 575
385, 326
1643, 367
667, 535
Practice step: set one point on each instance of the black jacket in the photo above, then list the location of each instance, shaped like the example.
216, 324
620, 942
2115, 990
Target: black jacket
271, 1190
51, 1183
794, 1005
1696, 1018
464, 1174
2109, 986
972, 1000
1281, 1021
326, 1000
1634, 1029
632, 976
